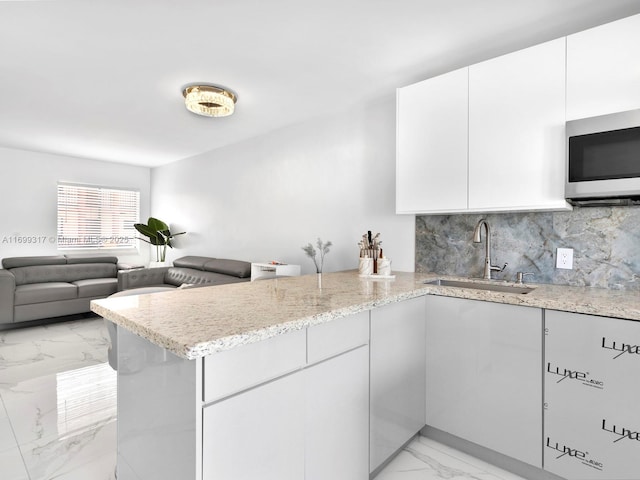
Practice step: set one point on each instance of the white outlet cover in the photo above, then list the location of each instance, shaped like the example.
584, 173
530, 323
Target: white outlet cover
564, 258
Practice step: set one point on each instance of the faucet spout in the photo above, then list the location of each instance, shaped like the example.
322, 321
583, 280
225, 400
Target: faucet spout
477, 238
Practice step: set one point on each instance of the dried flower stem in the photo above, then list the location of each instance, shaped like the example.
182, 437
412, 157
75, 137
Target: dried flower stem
311, 253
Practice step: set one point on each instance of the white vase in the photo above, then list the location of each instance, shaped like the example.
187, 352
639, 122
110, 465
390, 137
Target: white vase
365, 266
319, 275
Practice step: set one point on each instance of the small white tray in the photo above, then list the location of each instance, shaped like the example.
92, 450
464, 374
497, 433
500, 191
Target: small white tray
375, 276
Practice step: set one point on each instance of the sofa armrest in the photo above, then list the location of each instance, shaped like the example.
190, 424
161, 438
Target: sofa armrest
141, 277
7, 294
128, 266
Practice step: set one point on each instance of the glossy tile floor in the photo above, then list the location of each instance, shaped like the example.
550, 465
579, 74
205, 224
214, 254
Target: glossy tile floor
58, 413
58, 403
426, 459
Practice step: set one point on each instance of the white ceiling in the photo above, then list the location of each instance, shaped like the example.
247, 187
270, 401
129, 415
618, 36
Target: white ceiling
102, 79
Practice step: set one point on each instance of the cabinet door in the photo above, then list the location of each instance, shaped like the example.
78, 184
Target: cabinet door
483, 374
592, 420
431, 156
397, 376
516, 130
157, 434
603, 73
337, 418
257, 434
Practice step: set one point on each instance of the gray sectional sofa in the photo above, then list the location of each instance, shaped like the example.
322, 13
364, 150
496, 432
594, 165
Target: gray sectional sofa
187, 271
43, 287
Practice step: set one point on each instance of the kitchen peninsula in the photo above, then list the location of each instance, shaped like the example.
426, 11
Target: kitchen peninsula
283, 379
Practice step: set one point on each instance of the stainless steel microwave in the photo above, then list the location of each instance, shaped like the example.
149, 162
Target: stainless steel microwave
603, 160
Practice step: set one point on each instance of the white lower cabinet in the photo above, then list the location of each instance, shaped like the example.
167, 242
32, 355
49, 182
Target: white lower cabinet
337, 418
256, 434
591, 418
158, 412
483, 377
397, 376
312, 423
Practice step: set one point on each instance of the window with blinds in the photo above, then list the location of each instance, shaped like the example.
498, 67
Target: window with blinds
91, 217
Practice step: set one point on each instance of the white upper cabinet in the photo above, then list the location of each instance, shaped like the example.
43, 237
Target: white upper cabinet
486, 138
516, 130
432, 133
603, 69
490, 137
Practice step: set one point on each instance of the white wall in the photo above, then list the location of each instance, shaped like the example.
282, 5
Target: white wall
28, 197
265, 198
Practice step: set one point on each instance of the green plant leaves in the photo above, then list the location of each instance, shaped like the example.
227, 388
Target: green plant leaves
150, 232
158, 234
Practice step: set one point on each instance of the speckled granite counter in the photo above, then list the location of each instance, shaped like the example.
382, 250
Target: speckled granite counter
196, 322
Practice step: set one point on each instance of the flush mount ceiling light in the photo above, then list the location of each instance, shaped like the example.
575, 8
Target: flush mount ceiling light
209, 101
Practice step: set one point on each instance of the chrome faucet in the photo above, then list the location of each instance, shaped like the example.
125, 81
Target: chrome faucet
488, 268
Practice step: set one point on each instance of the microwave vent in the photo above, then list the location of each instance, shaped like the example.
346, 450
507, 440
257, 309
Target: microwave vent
605, 202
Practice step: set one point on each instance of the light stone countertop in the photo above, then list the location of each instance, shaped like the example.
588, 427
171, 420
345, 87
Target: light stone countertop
196, 322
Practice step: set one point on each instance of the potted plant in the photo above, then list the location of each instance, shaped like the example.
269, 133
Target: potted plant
158, 234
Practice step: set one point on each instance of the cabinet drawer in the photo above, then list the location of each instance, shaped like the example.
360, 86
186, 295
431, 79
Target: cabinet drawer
229, 372
337, 336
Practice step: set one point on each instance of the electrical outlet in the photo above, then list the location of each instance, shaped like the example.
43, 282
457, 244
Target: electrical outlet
564, 258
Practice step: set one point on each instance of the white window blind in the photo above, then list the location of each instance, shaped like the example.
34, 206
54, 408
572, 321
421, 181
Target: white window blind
91, 217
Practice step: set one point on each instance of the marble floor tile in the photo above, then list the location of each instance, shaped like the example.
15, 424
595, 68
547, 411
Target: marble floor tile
88, 454
12, 466
34, 352
425, 459
503, 474
32, 406
58, 403
93, 334
7, 438
62, 403
411, 465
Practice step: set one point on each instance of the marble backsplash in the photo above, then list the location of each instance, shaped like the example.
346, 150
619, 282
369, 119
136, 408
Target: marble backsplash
605, 242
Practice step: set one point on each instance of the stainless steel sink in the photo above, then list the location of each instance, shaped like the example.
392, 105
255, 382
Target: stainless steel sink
493, 287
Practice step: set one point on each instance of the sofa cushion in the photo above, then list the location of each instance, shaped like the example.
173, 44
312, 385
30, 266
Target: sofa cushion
192, 261
96, 287
74, 259
14, 262
45, 292
177, 276
63, 273
235, 268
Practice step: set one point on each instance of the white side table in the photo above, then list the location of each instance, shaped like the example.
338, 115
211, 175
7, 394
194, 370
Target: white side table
268, 270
